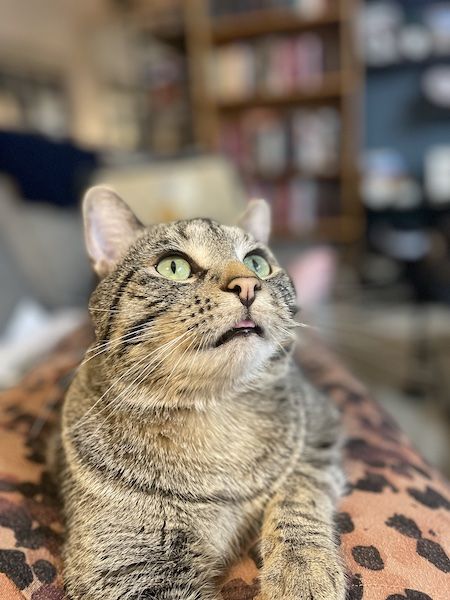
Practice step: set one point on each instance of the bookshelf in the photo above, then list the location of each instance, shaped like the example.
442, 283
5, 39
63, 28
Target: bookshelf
329, 90
226, 29
338, 212
232, 115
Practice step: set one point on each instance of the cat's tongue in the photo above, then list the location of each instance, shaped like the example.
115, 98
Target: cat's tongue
246, 324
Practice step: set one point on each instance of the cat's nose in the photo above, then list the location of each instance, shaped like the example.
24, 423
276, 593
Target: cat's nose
245, 288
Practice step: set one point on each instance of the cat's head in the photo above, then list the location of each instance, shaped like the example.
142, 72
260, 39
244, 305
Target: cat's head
191, 307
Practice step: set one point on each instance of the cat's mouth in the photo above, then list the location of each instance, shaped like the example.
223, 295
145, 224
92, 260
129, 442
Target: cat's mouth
241, 329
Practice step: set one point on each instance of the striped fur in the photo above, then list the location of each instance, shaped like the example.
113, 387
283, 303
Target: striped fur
174, 454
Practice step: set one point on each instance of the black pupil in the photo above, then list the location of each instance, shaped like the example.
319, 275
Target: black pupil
173, 267
255, 264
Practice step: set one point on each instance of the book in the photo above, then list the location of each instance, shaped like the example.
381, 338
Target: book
316, 140
274, 65
270, 143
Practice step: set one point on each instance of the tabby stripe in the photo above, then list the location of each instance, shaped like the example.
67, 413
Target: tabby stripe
320, 463
89, 457
163, 533
125, 570
119, 292
284, 526
295, 542
133, 334
302, 515
132, 569
159, 591
182, 230
136, 296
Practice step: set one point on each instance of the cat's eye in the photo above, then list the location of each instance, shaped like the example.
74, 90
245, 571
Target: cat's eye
258, 264
174, 267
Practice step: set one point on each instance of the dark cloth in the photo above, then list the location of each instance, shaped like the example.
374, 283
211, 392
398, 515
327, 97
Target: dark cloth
44, 169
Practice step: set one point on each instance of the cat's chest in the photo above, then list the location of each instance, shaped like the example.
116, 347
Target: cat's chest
226, 455
236, 455
239, 457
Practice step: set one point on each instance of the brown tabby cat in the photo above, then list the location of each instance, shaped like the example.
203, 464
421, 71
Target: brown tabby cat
188, 430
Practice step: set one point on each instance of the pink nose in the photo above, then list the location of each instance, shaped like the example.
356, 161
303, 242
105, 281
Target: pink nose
245, 288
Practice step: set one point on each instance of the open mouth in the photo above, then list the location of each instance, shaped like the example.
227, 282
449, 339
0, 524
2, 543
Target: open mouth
243, 328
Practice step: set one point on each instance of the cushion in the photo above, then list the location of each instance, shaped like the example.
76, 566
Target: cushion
394, 521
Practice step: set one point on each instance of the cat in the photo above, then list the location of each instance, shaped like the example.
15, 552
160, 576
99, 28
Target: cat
188, 430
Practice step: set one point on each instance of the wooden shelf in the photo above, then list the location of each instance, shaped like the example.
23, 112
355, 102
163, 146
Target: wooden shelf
266, 22
291, 173
175, 36
339, 229
330, 89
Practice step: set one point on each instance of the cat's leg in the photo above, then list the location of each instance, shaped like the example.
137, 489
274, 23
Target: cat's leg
167, 564
144, 582
301, 560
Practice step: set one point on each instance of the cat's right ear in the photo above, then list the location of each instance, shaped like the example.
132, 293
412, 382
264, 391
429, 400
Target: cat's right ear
110, 227
256, 220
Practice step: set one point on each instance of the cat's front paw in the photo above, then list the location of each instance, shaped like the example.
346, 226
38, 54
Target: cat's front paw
312, 575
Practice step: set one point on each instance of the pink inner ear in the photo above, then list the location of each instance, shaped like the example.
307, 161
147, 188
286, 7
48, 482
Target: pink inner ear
105, 239
110, 227
313, 274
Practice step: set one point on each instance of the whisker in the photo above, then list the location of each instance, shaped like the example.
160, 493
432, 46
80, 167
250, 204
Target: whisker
114, 342
127, 371
176, 364
120, 398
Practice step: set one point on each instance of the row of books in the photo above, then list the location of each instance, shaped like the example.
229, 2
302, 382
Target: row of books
276, 66
308, 8
298, 204
271, 143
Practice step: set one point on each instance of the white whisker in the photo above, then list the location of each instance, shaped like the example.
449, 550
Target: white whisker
127, 371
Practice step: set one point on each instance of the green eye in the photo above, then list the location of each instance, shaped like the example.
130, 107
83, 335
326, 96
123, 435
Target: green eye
258, 265
174, 267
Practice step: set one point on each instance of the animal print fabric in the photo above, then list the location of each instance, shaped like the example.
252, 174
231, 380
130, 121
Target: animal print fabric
394, 521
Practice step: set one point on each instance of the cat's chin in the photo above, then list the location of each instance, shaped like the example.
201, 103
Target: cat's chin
240, 357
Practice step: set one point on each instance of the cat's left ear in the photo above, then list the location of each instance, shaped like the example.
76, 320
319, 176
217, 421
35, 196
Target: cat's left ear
256, 220
110, 227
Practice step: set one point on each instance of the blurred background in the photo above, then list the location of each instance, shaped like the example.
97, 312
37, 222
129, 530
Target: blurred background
336, 111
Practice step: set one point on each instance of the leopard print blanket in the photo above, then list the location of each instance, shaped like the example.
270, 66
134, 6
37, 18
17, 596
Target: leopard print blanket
394, 522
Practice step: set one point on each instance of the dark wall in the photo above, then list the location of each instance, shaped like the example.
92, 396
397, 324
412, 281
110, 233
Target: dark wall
397, 112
